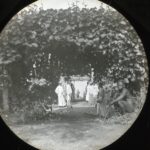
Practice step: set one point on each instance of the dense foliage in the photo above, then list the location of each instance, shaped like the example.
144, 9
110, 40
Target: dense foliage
38, 46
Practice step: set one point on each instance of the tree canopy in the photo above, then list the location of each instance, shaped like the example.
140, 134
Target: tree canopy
45, 44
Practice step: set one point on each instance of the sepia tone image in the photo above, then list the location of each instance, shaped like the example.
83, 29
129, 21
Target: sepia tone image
73, 75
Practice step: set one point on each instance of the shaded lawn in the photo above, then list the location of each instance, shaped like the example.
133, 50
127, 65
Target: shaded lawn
76, 129
74, 134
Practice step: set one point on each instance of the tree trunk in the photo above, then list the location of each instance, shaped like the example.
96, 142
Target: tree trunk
5, 99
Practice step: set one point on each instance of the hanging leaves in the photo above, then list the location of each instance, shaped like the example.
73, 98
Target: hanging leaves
75, 38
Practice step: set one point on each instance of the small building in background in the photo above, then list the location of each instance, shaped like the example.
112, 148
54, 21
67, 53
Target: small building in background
79, 84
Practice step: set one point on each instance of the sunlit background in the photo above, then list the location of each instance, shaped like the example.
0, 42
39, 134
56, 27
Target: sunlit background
63, 4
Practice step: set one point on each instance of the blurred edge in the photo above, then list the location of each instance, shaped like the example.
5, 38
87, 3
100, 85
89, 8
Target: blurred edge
138, 13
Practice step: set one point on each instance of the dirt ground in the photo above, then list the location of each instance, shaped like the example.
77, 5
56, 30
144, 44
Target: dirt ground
79, 129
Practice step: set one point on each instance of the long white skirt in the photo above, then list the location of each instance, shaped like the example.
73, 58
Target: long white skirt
61, 100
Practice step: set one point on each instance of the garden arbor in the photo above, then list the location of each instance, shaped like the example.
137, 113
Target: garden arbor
45, 44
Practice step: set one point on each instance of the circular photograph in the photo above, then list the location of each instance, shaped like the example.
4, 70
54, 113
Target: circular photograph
73, 75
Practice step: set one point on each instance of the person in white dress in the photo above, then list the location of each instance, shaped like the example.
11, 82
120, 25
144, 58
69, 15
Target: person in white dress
61, 95
88, 89
68, 93
92, 93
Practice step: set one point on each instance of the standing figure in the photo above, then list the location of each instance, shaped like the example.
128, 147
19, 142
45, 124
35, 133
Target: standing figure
68, 93
95, 92
87, 97
89, 91
61, 95
104, 97
92, 93
73, 91
107, 100
99, 105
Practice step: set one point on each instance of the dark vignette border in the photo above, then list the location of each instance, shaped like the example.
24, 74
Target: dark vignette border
138, 13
